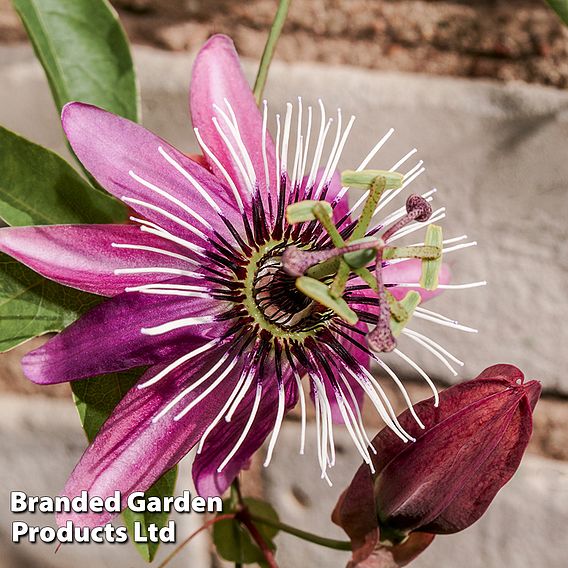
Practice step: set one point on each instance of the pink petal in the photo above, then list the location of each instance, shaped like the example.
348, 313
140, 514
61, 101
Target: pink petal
131, 452
410, 271
216, 76
86, 256
111, 147
108, 338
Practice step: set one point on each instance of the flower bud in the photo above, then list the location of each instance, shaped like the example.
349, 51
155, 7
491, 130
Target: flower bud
471, 446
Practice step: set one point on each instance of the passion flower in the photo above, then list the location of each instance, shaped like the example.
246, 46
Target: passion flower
241, 273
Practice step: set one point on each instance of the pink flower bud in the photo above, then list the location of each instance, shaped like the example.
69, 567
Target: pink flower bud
471, 446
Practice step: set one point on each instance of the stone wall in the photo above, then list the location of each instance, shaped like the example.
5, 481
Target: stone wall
506, 40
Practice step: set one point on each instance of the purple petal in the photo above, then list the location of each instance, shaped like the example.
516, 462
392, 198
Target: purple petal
217, 77
131, 451
109, 338
225, 436
132, 163
86, 256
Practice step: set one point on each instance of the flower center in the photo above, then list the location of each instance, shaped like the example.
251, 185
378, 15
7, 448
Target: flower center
274, 301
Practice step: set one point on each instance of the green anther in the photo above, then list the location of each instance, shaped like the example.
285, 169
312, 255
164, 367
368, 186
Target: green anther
397, 310
360, 258
319, 292
409, 303
304, 211
423, 252
365, 178
431, 268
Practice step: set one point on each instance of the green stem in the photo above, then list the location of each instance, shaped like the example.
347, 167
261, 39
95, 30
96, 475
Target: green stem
269, 48
322, 541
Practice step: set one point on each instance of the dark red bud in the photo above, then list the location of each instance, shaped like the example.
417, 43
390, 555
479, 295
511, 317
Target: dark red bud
442, 483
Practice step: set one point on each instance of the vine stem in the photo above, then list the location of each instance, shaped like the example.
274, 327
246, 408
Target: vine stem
243, 515
267, 54
304, 535
203, 527
246, 518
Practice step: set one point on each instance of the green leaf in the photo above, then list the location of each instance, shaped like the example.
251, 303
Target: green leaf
31, 305
84, 52
233, 541
95, 399
37, 187
561, 8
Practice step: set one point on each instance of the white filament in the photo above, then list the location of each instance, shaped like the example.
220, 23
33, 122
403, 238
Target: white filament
446, 286
331, 154
176, 324
170, 216
244, 373
162, 233
336, 153
190, 178
234, 155
400, 386
420, 314
234, 129
286, 138
157, 270
307, 144
246, 430
431, 349
170, 198
421, 371
208, 390
324, 128
299, 145
225, 173
277, 424
437, 346
179, 362
162, 286
459, 247
154, 249
387, 402
264, 155
302, 397
358, 411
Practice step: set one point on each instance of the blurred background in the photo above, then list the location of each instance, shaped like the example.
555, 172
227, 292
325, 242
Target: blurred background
479, 88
